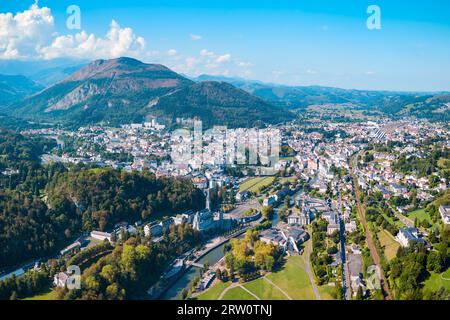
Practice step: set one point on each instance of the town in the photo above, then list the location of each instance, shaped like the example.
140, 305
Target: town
338, 200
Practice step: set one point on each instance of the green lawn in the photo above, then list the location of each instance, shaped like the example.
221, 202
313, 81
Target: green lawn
287, 179
326, 292
250, 183
238, 294
255, 184
50, 295
213, 293
420, 214
291, 278
390, 246
397, 223
294, 281
264, 290
436, 281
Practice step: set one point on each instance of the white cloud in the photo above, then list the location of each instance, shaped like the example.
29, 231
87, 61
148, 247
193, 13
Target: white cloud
117, 42
172, 52
223, 58
24, 33
31, 35
206, 53
311, 72
195, 37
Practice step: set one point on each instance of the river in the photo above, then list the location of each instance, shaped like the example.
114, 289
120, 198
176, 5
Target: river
212, 257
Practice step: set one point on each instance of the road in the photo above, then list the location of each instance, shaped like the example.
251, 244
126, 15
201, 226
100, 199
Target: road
345, 275
370, 243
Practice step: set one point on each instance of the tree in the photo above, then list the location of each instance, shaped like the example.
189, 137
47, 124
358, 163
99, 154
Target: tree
219, 274
267, 212
359, 294
184, 294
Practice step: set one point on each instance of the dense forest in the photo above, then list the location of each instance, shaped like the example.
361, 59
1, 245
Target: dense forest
131, 268
424, 166
42, 208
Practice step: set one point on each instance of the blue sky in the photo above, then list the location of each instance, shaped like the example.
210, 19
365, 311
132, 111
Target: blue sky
301, 42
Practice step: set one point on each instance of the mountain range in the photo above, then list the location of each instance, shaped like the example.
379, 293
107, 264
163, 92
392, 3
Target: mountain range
14, 88
126, 90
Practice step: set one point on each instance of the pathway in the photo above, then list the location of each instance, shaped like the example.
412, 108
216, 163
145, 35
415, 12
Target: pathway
307, 268
281, 290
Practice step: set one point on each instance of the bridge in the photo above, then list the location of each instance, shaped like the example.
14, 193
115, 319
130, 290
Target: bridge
195, 264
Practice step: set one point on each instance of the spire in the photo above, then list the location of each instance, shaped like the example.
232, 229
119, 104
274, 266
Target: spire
208, 199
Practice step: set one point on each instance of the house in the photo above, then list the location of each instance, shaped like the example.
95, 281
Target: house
101, 235
299, 218
270, 201
71, 248
273, 236
241, 196
354, 265
60, 279
330, 217
351, 226
154, 230
332, 228
408, 235
294, 237
445, 214
206, 282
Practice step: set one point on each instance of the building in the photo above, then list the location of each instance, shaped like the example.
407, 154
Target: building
287, 237
351, 226
445, 214
294, 236
242, 195
406, 236
354, 265
330, 217
101, 235
153, 230
270, 201
206, 281
332, 228
299, 218
60, 279
273, 236
203, 220
71, 248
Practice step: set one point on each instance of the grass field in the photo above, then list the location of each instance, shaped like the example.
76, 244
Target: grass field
438, 280
213, 293
287, 179
50, 295
254, 185
390, 246
326, 292
264, 290
238, 294
397, 223
420, 214
292, 279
